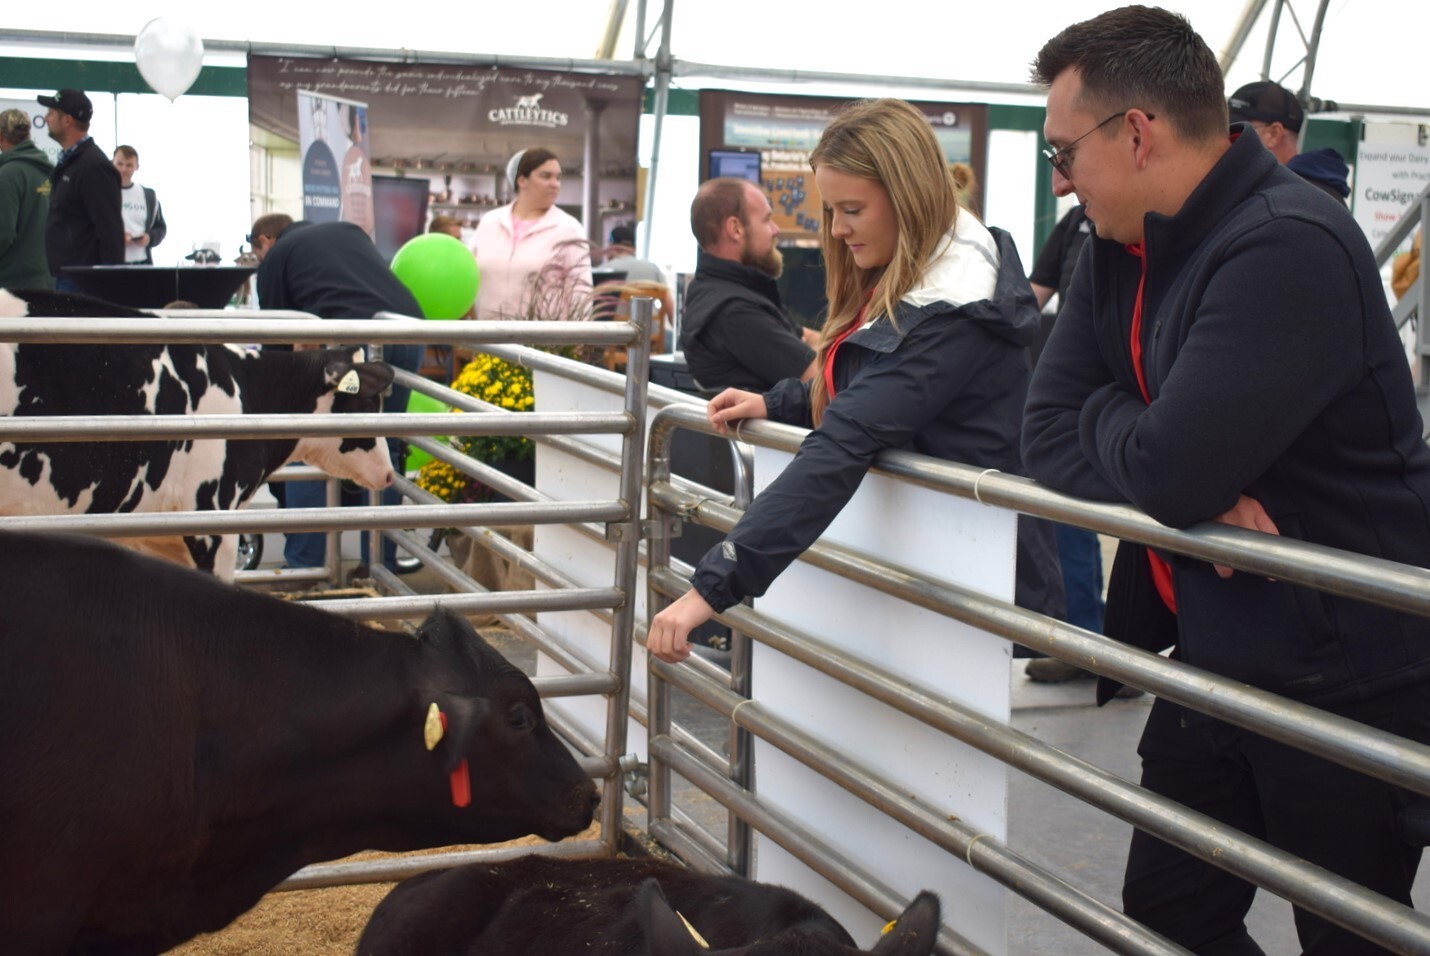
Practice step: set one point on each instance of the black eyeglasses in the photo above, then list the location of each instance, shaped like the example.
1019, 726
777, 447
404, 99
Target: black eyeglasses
1061, 159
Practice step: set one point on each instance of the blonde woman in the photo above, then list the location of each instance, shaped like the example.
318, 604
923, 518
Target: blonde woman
925, 349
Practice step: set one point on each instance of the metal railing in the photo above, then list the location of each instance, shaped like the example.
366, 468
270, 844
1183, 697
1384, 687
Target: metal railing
617, 519
1373, 752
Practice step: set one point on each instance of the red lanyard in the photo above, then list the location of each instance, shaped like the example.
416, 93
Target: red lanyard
854, 326
1161, 570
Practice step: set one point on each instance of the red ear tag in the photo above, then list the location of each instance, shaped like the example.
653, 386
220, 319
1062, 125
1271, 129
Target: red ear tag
460, 779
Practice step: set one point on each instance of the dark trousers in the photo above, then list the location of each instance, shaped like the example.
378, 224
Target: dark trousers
1330, 816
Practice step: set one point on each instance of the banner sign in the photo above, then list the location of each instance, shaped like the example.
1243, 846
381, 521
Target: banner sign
785, 130
456, 126
1392, 170
335, 188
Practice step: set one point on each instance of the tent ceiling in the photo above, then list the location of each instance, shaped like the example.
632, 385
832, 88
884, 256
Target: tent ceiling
968, 42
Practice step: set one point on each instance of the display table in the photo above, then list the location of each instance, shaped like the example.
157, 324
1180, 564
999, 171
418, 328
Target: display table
153, 287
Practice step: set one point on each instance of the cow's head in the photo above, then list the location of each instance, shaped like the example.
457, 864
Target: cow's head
667, 933
349, 385
522, 779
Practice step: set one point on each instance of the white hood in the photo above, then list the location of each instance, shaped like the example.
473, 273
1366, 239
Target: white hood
964, 267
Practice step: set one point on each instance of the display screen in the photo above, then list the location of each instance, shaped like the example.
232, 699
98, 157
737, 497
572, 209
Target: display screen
399, 211
736, 163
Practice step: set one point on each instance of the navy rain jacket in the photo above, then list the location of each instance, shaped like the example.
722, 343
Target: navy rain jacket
947, 379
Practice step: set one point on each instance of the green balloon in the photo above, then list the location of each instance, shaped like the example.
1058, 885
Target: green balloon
419, 404
440, 272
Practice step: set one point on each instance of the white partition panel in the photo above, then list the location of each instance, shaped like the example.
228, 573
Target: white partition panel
588, 562
954, 539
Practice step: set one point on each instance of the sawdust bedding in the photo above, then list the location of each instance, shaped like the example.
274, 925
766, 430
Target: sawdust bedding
325, 922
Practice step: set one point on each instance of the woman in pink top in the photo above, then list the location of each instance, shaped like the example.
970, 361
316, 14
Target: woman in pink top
534, 259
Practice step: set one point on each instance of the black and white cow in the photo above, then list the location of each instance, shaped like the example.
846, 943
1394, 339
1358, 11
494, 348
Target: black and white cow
172, 747
50, 478
537, 904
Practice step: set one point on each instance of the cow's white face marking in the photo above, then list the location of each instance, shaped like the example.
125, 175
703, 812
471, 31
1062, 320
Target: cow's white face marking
369, 467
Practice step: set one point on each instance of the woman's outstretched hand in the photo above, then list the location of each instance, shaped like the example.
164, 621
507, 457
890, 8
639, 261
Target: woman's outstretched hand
669, 633
732, 405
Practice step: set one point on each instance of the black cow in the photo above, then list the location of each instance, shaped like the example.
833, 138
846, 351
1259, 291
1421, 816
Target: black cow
538, 904
51, 478
172, 747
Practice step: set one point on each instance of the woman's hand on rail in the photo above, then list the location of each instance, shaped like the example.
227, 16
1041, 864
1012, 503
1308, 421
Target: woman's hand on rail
732, 405
670, 629
1246, 513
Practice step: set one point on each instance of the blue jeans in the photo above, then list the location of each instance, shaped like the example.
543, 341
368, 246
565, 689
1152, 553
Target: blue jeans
1080, 555
307, 549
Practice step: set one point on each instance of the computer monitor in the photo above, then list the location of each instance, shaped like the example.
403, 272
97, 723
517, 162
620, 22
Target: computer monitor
736, 163
399, 211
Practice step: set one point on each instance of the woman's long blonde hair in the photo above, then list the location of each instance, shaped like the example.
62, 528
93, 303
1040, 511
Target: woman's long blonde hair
890, 142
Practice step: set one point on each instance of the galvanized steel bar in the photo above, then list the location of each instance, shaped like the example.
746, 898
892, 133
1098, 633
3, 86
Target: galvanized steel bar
981, 851
627, 537
583, 678
390, 328
1384, 582
1367, 750
321, 875
408, 608
1336, 898
118, 428
685, 842
499, 514
805, 846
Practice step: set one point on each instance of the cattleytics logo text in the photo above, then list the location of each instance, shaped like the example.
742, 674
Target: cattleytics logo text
528, 112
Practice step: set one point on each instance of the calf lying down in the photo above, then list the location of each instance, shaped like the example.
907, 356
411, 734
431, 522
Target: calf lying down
539, 904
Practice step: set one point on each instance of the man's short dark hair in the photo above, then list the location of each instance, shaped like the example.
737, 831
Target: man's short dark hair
270, 225
128, 152
623, 234
716, 201
1141, 58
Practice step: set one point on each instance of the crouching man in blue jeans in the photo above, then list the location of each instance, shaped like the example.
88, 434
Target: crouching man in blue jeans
333, 270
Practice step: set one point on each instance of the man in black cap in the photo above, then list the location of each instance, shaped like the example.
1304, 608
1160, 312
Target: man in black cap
1276, 115
86, 225
1274, 112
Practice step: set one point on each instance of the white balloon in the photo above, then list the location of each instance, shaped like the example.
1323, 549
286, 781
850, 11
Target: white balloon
169, 55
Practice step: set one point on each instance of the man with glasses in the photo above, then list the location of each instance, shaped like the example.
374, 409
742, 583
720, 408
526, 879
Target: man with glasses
1226, 354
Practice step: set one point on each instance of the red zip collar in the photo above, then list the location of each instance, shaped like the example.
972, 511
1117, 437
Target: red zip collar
1161, 570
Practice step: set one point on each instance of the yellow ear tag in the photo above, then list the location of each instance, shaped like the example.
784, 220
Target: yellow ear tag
432, 727
349, 384
360, 355
888, 927
698, 938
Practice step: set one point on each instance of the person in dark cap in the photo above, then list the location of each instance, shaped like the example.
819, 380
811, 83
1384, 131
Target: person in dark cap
1277, 116
86, 224
1274, 112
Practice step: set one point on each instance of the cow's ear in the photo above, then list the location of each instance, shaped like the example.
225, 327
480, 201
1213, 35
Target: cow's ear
915, 932
374, 378
465, 716
666, 934
449, 633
